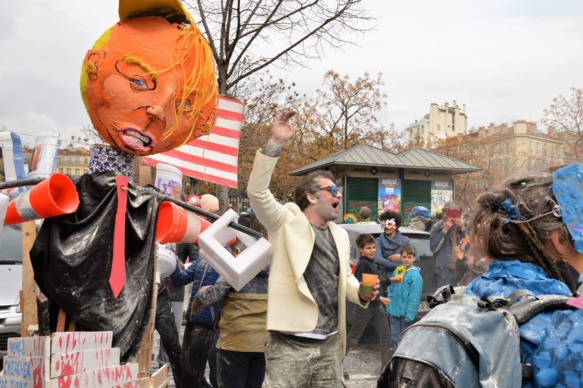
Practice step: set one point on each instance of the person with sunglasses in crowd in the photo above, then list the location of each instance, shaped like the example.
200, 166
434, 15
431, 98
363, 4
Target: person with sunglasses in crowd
309, 278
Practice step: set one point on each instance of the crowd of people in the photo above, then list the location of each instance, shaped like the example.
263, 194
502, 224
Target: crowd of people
287, 326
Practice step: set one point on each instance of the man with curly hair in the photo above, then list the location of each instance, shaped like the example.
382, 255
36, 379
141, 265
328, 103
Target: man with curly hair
309, 278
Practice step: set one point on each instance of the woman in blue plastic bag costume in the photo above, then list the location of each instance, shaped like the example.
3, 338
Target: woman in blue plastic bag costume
526, 228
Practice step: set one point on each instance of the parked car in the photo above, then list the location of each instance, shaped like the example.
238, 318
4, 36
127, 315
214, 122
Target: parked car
419, 239
11, 284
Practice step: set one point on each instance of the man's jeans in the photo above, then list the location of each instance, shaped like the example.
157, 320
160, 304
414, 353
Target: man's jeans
196, 344
240, 369
213, 362
162, 357
302, 362
376, 314
166, 328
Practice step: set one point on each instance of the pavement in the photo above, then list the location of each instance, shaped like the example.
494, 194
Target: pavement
155, 365
364, 366
362, 363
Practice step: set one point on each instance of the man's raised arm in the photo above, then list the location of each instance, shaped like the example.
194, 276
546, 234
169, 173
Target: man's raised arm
280, 133
269, 212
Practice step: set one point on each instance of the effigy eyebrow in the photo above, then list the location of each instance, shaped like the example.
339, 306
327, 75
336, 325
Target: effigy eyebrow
151, 72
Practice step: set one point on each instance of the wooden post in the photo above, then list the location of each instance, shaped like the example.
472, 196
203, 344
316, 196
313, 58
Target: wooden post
160, 378
145, 355
61, 321
30, 289
44, 320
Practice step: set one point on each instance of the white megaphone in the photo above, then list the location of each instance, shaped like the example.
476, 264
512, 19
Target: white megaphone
165, 262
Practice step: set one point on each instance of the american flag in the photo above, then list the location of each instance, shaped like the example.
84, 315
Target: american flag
213, 157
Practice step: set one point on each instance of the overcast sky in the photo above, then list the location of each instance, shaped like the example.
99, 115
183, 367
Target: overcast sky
504, 59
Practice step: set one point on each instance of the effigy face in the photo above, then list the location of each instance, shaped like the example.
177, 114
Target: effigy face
149, 85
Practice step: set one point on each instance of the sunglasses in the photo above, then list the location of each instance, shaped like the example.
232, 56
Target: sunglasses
332, 189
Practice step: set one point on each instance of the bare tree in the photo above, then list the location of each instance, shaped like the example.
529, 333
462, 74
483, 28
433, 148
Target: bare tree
89, 137
390, 140
349, 109
249, 36
265, 97
565, 115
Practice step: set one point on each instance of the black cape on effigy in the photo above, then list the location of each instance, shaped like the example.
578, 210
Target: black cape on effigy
72, 258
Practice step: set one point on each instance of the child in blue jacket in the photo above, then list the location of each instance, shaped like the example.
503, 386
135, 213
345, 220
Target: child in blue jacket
404, 296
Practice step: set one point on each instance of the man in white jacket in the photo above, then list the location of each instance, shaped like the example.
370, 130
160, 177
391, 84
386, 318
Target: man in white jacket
309, 277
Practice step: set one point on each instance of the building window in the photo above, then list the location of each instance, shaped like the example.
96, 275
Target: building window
77, 160
69, 171
60, 170
70, 160
76, 171
60, 159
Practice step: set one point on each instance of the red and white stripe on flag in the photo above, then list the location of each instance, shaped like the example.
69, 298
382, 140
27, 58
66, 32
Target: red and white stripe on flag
213, 157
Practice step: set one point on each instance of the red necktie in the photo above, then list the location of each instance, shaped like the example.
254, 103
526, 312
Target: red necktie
117, 277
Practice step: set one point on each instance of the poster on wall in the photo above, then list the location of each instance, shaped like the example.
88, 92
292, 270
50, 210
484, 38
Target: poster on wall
389, 195
441, 193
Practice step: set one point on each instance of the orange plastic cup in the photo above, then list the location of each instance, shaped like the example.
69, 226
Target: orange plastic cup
54, 196
369, 280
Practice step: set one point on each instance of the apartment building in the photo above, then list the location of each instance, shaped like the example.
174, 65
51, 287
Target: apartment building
522, 147
502, 152
440, 123
70, 160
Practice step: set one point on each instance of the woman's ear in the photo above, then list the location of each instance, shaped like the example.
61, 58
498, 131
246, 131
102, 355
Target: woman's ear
554, 246
562, 245
558, 243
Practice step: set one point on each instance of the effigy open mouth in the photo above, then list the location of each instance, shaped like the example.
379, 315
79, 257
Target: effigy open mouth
135, 139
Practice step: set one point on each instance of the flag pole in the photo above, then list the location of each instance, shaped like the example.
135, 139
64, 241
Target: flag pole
20, 183
211, 216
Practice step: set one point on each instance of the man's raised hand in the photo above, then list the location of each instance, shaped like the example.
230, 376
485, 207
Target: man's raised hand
281, 130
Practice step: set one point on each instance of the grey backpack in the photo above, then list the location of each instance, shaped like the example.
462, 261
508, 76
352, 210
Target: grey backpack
467, 342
